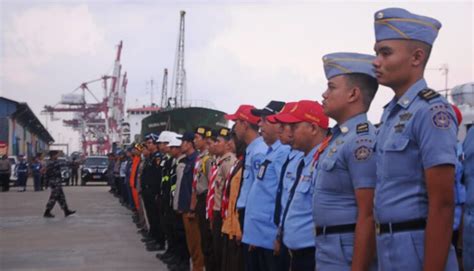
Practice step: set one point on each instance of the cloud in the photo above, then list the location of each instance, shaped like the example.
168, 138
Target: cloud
41, 35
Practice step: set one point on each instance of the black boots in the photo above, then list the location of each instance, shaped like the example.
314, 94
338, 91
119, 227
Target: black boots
68, 212
48, 214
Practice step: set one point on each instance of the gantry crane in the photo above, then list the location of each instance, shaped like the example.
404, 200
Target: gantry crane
98, 122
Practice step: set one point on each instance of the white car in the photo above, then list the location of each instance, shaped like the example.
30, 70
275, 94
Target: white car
13, 162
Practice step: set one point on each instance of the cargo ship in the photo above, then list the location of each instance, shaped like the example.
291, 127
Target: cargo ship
182, 119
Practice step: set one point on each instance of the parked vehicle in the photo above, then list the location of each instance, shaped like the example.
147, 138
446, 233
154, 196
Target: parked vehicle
94, 169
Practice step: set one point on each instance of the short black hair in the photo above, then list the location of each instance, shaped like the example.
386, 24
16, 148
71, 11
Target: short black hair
368, 86
415, 44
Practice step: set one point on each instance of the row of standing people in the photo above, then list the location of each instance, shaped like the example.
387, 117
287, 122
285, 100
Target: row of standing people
283, 191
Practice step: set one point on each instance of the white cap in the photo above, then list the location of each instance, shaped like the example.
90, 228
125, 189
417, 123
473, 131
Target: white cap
175, 141
166, 136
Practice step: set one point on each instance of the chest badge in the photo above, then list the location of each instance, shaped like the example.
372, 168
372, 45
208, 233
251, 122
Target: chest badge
399, 127
405, 116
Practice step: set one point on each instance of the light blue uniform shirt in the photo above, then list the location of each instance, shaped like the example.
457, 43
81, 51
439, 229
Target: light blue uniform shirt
260, 230
348, 163
468, 230
459, 189
416, 134
298, 230
289, 177
468, 147
254, 156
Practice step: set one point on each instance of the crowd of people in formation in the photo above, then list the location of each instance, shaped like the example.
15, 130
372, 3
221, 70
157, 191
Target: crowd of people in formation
282, 190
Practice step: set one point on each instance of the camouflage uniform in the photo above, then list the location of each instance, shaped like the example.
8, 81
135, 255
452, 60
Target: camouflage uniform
53, 175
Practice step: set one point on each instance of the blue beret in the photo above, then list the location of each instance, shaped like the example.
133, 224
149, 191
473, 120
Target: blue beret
346, 63
398, 23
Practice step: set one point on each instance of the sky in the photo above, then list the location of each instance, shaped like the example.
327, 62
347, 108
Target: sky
236, 52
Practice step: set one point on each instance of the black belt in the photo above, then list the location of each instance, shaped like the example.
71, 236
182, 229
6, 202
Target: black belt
335, 229
302, 252
411, 225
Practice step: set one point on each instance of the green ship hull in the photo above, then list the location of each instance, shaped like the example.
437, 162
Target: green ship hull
180, 120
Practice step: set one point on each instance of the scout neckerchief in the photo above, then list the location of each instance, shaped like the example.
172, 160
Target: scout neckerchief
196, 172
211, 192
225, 192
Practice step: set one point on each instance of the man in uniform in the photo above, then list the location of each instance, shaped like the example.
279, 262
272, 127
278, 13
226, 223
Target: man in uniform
296, 229
225, 159
53, 174
286, 179
5, 172
22, 173
36, 172
416, 150
193, 237
202, 168
260, 230
75, 171
151, 185
345, 173
468, 231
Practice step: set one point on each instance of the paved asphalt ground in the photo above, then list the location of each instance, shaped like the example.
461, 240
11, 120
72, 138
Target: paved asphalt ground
101, 236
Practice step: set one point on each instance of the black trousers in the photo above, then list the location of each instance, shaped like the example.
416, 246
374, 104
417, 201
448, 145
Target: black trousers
303, 259
283, 260
74, 177
232, 259
206, 234
152, 214
217, 237
181, 246
262, 259
5, 181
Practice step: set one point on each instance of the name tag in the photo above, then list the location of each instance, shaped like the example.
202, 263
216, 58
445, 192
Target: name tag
263, 169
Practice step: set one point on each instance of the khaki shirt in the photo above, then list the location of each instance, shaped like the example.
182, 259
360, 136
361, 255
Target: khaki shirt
204, 171
224, 165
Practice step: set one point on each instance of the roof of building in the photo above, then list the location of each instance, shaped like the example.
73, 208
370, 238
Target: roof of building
25, 116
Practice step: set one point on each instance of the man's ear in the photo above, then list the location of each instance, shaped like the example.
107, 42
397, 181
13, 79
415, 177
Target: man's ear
418, 57
354, 94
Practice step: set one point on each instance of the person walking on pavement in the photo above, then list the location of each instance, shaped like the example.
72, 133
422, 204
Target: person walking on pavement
53, 174
22, 173
36, 170
5, 172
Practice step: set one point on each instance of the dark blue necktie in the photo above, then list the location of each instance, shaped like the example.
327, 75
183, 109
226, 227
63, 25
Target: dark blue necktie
277, 213
292, 193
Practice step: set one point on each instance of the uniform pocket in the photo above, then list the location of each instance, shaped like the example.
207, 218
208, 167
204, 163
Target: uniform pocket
347, 247
396, 162
329, 176
418, 241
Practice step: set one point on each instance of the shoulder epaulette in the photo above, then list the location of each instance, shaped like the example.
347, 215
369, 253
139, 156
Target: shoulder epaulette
428, 94
362, 128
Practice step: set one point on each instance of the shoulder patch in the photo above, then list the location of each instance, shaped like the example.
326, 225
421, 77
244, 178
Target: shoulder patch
428, 94
440, 117
362, 128
362, 153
